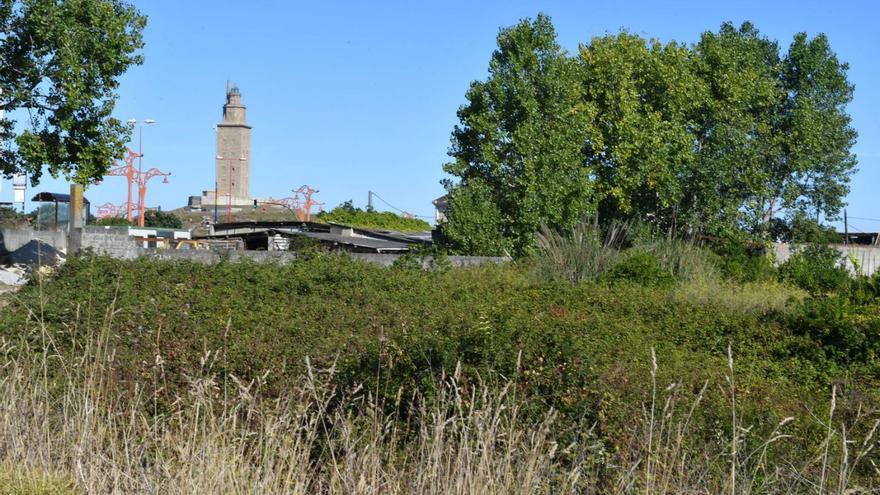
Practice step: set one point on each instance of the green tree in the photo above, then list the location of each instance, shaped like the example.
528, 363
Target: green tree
162, 219
520, 141
60, 63
717, 137
348, 214
474, 222
113, 222
817, 158
9, 217
644, 93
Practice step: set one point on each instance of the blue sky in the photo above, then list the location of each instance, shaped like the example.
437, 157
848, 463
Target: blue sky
357, 96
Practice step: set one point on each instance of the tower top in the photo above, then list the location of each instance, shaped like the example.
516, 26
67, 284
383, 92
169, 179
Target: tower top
233, 110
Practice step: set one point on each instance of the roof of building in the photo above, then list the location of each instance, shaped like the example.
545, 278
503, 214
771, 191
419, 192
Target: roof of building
59, 197
328, 233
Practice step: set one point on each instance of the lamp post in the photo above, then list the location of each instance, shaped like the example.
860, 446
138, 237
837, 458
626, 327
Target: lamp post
140, 124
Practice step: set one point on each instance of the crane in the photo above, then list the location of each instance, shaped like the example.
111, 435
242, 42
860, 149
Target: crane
305, 203
142, 189
129, 172
108, 210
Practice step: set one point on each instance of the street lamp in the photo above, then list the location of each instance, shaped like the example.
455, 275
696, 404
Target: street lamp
140, 124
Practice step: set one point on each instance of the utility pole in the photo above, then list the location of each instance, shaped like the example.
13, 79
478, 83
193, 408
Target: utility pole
845, 228
369, 200
140, 124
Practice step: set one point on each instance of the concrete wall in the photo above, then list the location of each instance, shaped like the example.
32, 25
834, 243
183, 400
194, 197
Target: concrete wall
866, 257
12, 239
115, 244
212, 257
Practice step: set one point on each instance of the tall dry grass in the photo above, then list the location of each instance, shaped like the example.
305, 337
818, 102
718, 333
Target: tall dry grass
63, 418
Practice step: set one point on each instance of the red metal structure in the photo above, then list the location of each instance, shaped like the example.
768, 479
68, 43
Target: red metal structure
108, 210
305, 203
142, 189
291, 204
129, 172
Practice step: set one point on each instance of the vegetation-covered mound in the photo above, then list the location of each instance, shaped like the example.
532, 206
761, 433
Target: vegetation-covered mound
348, 214
604, 352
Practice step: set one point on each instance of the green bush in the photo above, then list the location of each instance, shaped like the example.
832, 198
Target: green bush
816, 269
584, 253
113, 222
843, 331
743, 261
641, 268
9, 217
684, 259
162, 219
347, 214
579, 348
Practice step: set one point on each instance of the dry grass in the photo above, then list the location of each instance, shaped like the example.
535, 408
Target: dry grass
64, 416
747, 297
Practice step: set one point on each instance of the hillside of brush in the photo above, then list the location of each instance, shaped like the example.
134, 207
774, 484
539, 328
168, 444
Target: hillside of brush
611, 351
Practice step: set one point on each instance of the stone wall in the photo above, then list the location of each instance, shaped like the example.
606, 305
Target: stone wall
212, 257
114, 244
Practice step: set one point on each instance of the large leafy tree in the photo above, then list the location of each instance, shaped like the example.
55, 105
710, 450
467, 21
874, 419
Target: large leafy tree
519, 142
60, 63
817, 157
715, 137
736, 128
645, 94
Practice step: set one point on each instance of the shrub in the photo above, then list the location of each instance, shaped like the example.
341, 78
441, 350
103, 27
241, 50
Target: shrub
347, 214
844, 332
816, 269
585, 253
642, 268
162, 219
11, 218
684, 259
113, 222
743, 261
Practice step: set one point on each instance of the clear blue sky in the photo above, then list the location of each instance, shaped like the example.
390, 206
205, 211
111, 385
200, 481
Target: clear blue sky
350, 97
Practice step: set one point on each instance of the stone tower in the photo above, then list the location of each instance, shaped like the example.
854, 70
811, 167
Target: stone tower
233, 151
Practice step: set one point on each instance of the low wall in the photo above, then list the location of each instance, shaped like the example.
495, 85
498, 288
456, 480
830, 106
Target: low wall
866, 257
212, 257
113, 244
116, 243
12, 239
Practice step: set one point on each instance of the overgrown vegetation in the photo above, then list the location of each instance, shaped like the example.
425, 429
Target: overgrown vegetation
9, 217
348, 214
152, 218
539, 346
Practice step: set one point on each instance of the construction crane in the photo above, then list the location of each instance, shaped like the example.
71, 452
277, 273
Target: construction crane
291, 204
142, 189
108, 210
129, 172
305, 203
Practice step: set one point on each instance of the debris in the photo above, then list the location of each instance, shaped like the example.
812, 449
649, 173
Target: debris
13, 275
34, 253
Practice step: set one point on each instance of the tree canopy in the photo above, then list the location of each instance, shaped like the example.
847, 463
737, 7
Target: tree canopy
60, 63
720, 135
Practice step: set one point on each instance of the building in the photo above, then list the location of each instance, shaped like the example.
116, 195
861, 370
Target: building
233, 156
273, 236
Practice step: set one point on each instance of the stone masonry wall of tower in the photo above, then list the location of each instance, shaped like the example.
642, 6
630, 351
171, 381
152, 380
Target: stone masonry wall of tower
233, 151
